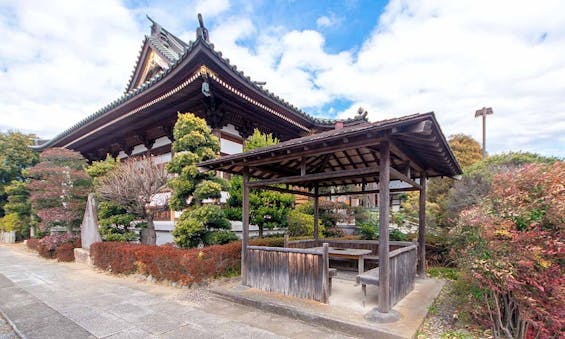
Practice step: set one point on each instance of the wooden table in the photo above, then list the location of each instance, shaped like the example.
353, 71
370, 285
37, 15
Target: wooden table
348, 253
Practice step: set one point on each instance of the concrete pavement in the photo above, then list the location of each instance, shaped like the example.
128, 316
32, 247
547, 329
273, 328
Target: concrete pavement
46, 299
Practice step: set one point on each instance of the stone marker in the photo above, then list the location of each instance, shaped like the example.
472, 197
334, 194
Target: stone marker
89, 227
88, 231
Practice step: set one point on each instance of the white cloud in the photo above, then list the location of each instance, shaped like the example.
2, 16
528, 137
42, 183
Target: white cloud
212, 7
62, 60
330, 20
452, 57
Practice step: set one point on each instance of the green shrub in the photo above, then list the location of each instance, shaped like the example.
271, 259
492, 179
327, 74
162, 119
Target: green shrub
220, 237
369, 231
194, 225
233, 213
301, 224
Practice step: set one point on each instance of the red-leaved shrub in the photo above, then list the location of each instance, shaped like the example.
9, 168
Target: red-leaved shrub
512, 246
168, 263
33, 244
57, 246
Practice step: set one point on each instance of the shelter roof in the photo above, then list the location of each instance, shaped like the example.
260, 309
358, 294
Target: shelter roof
417, 143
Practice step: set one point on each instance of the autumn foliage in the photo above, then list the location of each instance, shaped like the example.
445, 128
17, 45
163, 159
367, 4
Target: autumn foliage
59, 246
59, 187
166, 262
512, 246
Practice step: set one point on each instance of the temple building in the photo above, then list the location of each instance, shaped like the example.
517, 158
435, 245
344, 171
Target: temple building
172, 76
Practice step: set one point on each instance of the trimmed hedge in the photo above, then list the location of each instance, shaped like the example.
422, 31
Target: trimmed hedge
184, 266
60, 247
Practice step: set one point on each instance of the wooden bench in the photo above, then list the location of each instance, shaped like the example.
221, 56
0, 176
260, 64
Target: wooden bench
371, 277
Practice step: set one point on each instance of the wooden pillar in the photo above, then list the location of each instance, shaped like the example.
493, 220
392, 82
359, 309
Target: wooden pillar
384, 210
325, 274
245, 222
316, 212
422, 227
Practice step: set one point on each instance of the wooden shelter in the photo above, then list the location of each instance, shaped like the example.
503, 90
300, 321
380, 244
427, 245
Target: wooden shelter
408, 149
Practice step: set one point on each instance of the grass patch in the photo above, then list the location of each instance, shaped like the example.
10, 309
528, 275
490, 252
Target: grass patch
448, 273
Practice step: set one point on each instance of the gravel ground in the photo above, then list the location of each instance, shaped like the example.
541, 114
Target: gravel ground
6, 332
442, 321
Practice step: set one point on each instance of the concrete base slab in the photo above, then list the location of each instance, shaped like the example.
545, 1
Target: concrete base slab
382, 318
82, 255
344, 315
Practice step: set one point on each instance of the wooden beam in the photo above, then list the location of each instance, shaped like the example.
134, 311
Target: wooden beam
287, 190
392, 190
422, 228
360, 172
314, 150
245, 222
399, 175
384, 210
303, 166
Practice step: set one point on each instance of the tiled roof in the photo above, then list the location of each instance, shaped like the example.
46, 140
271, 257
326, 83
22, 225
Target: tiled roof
175, 57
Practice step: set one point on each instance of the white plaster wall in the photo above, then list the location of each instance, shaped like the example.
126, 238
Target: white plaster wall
138, 149
163, 158
230, 147
162, 141
229, 128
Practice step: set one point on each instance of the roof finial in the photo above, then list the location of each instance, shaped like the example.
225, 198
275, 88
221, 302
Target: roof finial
201, 31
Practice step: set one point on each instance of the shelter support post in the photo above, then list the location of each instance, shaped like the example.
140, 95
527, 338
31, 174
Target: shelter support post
316, 212
384, 210
422, 227
245, 222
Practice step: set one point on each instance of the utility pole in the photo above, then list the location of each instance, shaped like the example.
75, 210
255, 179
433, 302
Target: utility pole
484, 112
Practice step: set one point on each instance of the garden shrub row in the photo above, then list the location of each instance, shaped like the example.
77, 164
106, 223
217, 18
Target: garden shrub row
58, 246
183, 266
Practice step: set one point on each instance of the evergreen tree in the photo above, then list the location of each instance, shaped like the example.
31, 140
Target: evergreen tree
268, 209
199, 223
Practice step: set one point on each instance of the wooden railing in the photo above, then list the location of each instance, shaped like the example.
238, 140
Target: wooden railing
402, 272
372, 245
403, 258
302, 273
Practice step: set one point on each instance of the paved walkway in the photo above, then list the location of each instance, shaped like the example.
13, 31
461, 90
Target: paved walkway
46, 299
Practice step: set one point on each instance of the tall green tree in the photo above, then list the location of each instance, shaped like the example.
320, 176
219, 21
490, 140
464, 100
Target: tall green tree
15, 156
59, 187
17, 209
268, 209
199, 223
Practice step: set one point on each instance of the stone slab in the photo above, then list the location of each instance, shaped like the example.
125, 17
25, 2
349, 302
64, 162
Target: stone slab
82, 255
32, 318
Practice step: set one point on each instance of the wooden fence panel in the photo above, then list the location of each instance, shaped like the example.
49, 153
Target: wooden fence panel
289, 271
402, 272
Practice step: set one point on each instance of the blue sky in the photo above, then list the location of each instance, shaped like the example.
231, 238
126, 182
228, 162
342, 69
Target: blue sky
62, 60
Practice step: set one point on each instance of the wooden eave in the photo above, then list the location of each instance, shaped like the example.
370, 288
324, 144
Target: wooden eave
141, 99
349, 156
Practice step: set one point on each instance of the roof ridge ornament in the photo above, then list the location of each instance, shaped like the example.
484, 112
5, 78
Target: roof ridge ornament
202, 31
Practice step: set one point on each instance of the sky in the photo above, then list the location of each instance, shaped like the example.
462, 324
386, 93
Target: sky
61, 60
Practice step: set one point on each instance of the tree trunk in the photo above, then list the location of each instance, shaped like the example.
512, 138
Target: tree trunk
151, 236
69, 229
260, 231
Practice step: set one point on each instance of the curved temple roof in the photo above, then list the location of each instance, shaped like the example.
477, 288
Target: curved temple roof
176, 52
